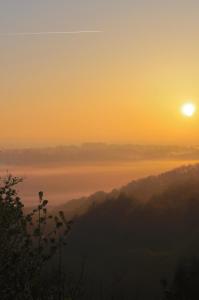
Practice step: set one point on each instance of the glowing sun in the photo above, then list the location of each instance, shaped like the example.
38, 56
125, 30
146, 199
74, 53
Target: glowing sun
188, 109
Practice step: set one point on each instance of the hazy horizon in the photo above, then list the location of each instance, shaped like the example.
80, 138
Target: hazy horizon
68, 172
28, 145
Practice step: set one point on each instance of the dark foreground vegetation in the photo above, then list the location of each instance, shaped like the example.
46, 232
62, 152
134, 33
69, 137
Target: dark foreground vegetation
28, 243
124, 246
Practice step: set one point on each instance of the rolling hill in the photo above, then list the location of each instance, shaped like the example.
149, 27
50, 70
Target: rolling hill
136, 235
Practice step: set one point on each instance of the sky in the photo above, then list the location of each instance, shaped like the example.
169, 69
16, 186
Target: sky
122, 81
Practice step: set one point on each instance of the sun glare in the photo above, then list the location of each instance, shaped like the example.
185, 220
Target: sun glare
188, 109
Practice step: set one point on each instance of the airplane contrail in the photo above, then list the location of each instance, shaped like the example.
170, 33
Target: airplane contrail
49, 33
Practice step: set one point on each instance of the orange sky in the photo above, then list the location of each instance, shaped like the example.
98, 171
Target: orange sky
125, 84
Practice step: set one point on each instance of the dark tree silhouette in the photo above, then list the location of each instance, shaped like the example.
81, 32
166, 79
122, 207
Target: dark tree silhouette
27, 244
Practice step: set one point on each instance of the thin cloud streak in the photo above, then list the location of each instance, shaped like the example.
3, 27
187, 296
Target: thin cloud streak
49, 33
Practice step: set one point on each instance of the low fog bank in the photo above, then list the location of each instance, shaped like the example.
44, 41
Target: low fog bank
63, 183
69, 172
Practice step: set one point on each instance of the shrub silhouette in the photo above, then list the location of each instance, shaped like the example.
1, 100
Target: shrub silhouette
28, 243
